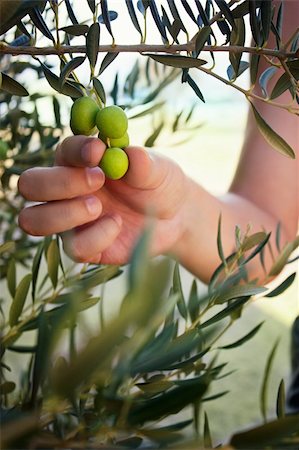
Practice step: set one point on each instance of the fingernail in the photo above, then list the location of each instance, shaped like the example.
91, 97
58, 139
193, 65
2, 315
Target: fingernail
94, 177
92, 205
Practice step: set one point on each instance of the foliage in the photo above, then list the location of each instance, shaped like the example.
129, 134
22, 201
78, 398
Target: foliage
121, 386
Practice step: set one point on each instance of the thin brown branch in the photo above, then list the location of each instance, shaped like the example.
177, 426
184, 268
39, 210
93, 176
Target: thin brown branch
140, 48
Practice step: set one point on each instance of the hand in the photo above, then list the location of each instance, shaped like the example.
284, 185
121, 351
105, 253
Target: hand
100, 219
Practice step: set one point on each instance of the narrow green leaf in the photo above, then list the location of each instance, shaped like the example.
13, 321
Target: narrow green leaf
243, 339
11, 277
264, 387
266, 17
109, 57
253, 240
150, 141
35, 266
259, 248
132, 13
175, 13
57, 114
7, 247
232, 307
283, 83
278, 236
19, 300
238, 291
41, 360
99, 276
254, 66
76, 30
183, 62
283, 257
189, 11
139, 258
281, 401
167, 403
193, 302
53, 258
145, 111
195, 88
177, 289
69, 68
92, 5
226, 12
69, 89
219, 242
158, 21
12, 86
201, 38
37, 19
254, 23
273, 139
99, 88
106, 17
207, 439
237, 38
70, 12
92, 44
283, 286
266, 435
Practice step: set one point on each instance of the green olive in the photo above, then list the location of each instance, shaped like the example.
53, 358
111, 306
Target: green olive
114, 163
83, 116
112, 122
121, 142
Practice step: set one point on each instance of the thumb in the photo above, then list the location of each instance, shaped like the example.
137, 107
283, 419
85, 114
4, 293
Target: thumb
146, 170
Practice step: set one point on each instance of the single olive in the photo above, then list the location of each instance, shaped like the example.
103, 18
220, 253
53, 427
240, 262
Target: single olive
83, 116
112, 122
114, 163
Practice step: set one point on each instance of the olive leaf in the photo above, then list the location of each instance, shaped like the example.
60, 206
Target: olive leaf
53, 258
69, 68
183, 62
273, 139
264, 387
107, 60
99, 88
92, 44
12, 86
244, 339
76, 30
18, 302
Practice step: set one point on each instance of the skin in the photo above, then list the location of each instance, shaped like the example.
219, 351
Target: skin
100, 219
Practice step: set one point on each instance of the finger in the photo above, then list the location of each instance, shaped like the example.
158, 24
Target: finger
146, 170
86, 244
59, 183
59, 216
79, 151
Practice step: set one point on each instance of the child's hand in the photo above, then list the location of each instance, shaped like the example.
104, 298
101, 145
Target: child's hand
101, 219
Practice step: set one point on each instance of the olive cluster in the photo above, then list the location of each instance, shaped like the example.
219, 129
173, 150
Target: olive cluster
111, 123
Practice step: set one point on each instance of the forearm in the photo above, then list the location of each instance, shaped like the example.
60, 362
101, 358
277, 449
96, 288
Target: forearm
197, 248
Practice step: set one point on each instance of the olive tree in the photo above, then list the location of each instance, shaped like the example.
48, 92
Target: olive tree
158, 355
